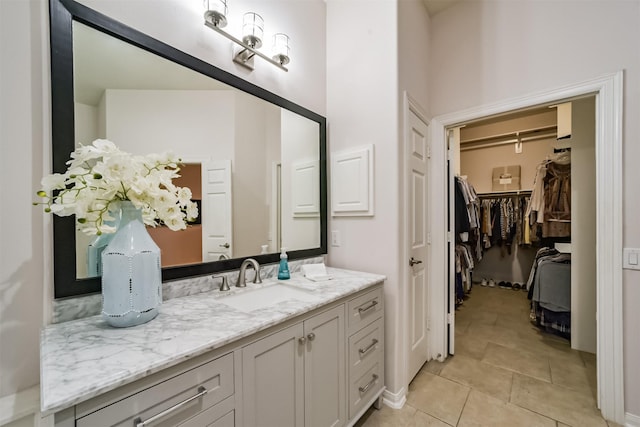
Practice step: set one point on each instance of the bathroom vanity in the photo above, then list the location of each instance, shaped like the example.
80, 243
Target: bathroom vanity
273, 354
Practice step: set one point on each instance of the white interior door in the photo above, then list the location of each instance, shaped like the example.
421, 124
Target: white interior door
417, 150
217, 220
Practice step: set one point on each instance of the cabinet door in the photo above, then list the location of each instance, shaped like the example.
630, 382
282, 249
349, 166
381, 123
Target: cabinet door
272, 380
324, 365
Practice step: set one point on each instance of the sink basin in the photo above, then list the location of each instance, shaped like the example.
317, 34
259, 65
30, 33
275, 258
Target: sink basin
251, 300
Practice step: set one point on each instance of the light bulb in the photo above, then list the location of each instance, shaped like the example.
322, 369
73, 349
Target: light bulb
252, 29
216, 11
281, 48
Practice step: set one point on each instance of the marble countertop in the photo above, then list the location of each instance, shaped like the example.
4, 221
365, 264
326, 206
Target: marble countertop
84, 358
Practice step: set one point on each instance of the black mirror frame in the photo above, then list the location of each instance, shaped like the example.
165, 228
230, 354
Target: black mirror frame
62, 13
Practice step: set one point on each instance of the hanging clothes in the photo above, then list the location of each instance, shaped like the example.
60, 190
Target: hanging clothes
549, 210
549, 288
557, 204
467, 215
503, 221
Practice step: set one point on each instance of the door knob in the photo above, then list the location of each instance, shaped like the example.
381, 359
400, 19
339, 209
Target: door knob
311, 336
226, 246
413, 262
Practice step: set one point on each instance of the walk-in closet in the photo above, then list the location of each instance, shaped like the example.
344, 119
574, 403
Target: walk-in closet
524, 200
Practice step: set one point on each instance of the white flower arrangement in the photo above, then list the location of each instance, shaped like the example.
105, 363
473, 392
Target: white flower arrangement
100, 175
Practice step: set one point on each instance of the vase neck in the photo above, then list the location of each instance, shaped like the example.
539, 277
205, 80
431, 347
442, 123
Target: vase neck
129, 212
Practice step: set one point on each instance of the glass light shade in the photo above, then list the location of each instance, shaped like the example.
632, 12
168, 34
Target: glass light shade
216, 12
252, 29
281, 48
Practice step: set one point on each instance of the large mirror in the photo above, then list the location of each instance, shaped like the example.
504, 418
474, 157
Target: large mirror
254, 161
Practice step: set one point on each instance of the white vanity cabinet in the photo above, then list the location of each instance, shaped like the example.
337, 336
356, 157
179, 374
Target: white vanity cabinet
366, 351
176, 398
320, 368
296, 377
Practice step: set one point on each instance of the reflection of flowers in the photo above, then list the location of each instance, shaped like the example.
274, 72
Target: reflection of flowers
100, 175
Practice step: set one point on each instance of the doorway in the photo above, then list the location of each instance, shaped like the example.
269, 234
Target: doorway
608, 91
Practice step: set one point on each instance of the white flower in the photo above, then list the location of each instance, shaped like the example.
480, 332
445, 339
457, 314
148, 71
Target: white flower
100, 175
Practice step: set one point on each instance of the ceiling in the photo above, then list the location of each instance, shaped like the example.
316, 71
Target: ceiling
435, 6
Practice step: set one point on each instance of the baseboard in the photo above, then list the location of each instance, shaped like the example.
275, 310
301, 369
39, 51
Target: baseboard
19, 405
632, 420
395, 400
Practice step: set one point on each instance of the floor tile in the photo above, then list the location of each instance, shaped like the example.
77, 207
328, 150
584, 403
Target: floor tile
484, 410
480, 376
567, 406
387, 417
420, 419
435, 367
589, 359
438, 397
471, 346
517, 360
484, 317
570, 375
463, 325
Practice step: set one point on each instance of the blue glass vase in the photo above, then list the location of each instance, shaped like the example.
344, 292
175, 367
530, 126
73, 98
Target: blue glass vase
131, 273
98, 245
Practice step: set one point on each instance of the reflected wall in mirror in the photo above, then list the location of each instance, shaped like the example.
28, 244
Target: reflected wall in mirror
255, 164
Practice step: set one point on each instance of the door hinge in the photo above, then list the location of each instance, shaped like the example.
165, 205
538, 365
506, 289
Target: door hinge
428, 151
450, 318
428, 324
449, 236
428, 238
449, 154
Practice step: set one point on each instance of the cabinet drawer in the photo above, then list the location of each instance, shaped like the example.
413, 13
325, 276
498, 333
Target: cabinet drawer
364, 309
221, 415
365, 347
216, 377
362, 389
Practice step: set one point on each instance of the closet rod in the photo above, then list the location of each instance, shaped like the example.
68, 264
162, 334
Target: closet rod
493, 194
522, 133
478, 145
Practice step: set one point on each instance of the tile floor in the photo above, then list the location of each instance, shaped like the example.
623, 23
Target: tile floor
505, 372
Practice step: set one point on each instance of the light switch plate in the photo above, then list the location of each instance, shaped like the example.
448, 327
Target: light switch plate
631, 259
335, 238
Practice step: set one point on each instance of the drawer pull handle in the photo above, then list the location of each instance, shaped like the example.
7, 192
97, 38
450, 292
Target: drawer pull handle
311, 336
369, 307
365, 350
139, 423
368, 386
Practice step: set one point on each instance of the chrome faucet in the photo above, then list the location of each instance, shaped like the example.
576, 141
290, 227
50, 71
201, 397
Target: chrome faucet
249, 262
224, 286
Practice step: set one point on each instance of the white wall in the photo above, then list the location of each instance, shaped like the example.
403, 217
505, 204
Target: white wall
24, 145
180, 24
413, 24
250, 213
487, 51
272, 157
299, 143
86, 122
365, 90
478, 164
583, 225
25, 232
193, 124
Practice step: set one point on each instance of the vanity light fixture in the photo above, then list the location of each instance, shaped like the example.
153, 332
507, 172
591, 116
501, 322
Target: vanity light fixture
215, 17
